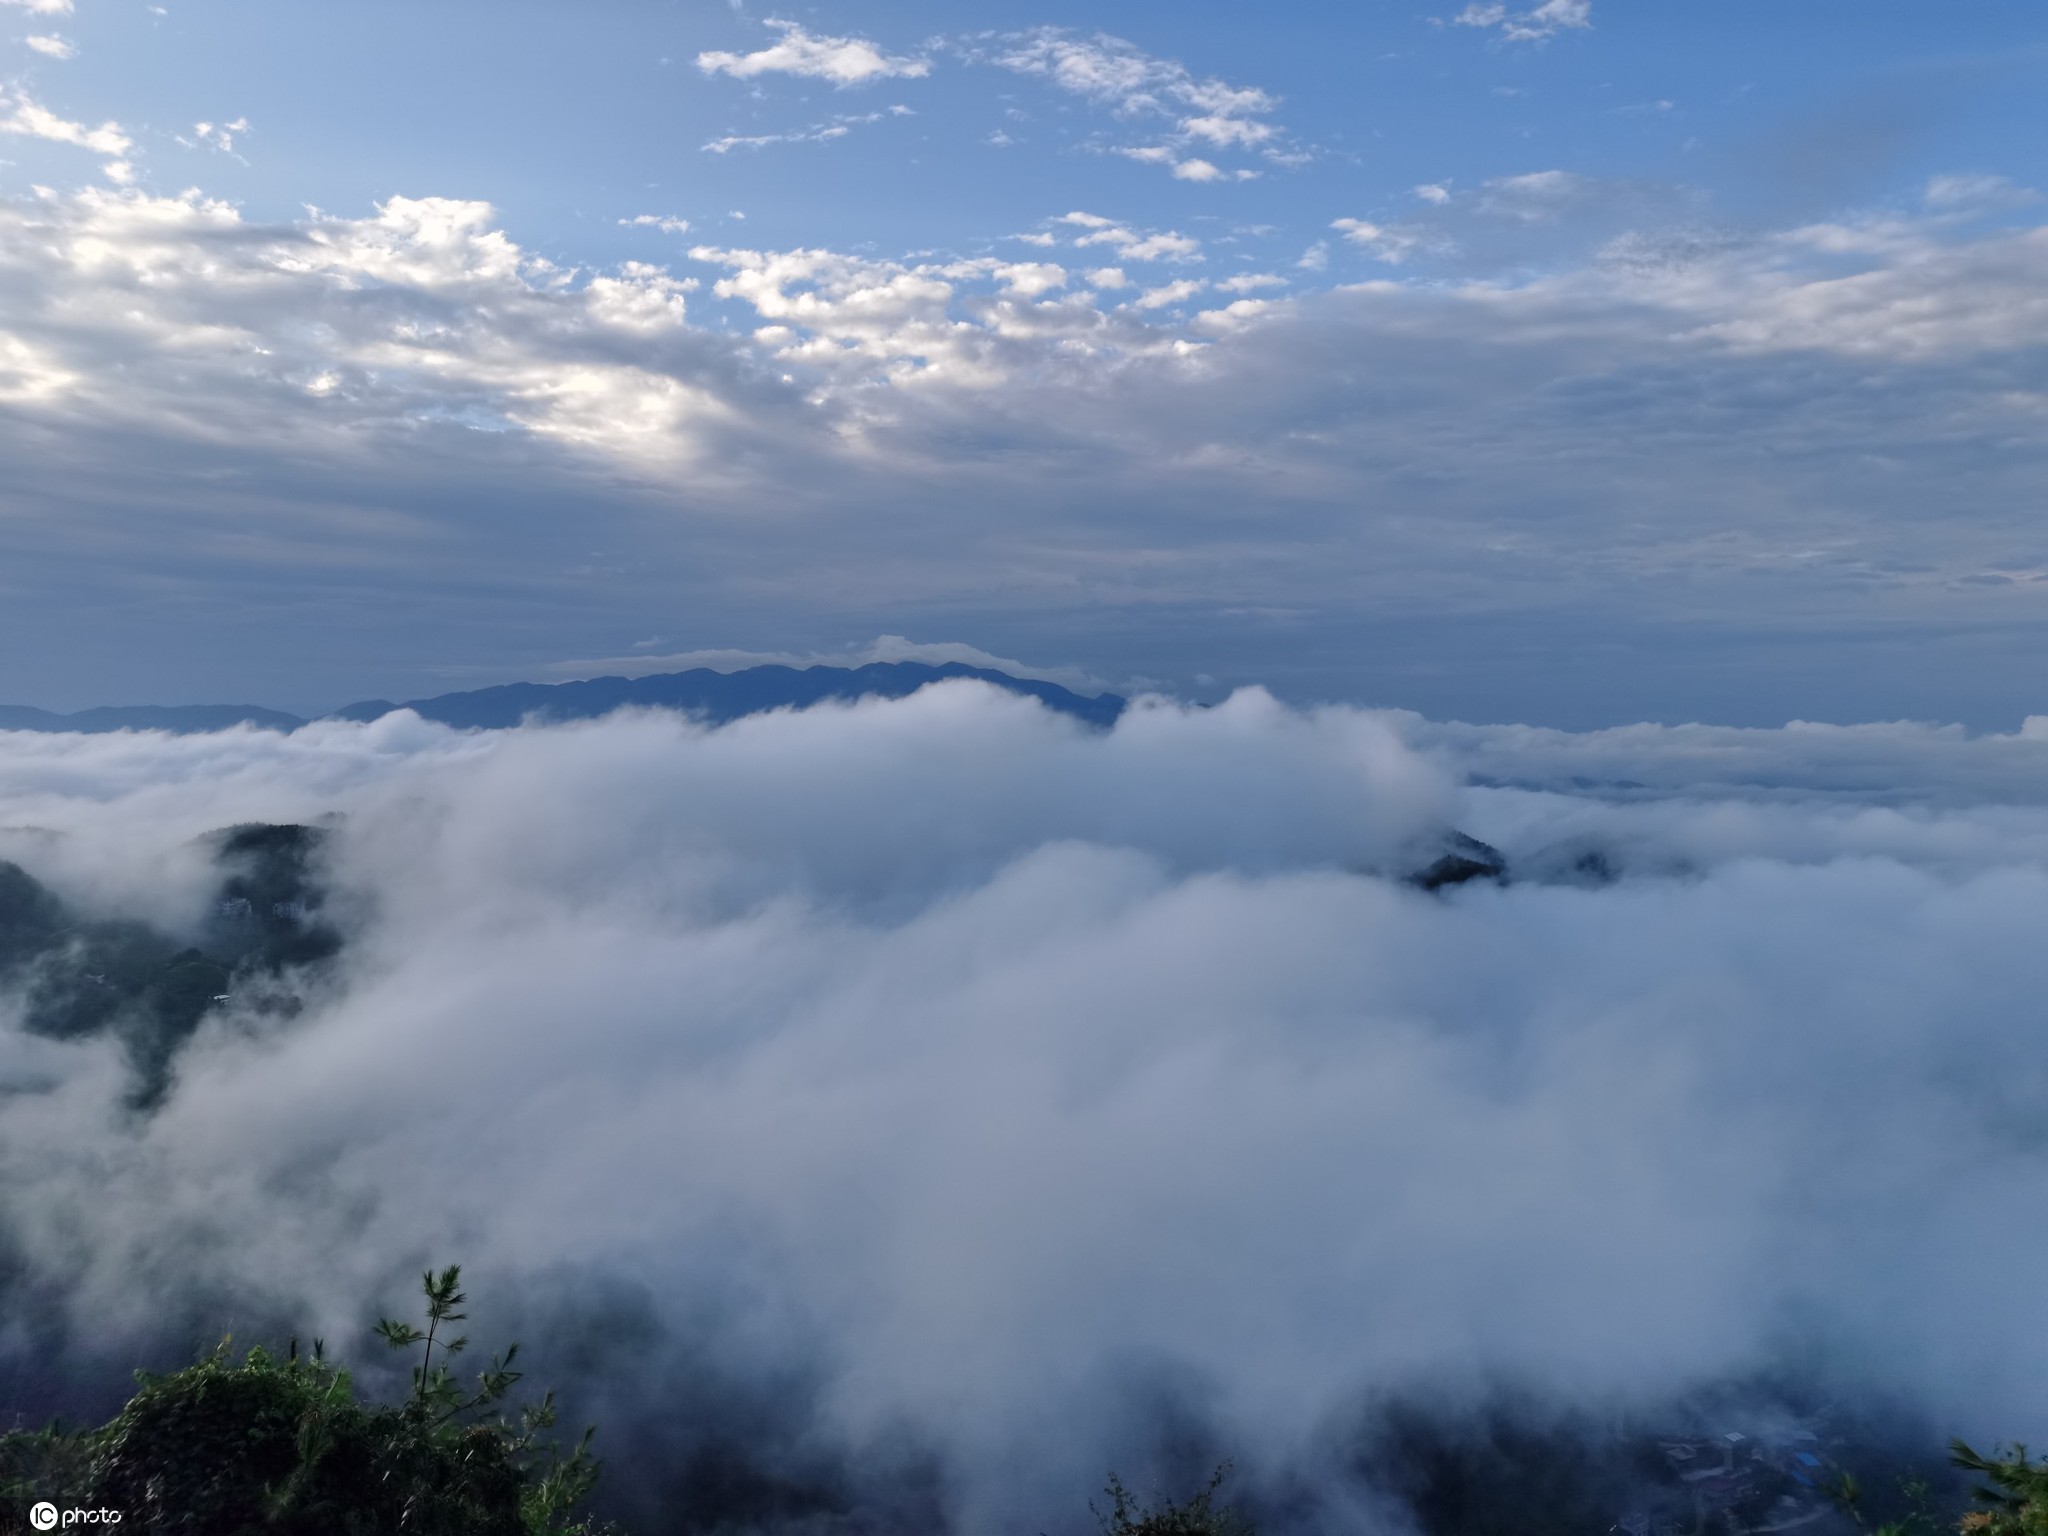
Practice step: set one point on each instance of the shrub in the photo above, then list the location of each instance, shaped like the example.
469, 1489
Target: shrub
283, 1447
1199, 1516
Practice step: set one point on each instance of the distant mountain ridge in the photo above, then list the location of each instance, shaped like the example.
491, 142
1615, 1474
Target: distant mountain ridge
718, 697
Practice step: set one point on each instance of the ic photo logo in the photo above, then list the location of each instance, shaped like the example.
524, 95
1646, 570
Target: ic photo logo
47, 1517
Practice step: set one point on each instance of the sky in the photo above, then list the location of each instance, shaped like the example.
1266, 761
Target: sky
1575, 363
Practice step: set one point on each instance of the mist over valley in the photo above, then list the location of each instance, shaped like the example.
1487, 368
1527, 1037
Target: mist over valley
894, 1114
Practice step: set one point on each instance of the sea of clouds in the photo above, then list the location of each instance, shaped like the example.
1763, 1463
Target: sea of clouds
944, 1094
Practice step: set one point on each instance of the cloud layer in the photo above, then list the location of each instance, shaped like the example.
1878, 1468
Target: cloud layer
1007, 1082
1443, 427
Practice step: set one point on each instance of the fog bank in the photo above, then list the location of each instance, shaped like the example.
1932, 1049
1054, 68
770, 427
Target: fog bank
990, 1100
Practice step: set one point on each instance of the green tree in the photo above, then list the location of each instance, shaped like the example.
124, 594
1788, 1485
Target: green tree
2015, 1493
283, 1446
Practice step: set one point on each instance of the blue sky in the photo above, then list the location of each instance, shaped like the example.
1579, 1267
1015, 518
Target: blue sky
1573, 362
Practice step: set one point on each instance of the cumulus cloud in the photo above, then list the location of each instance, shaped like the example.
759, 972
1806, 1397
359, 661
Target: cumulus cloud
41, 7
1014, 1084
1168, 294
51, 46
432, 249
1029, 279
842, 60
668, 224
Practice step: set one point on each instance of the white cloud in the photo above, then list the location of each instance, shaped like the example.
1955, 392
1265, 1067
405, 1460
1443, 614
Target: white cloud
50, 46
1158, 245
1433, 193
1392, 244
1031, 278
1165, 245
500, 367
1136, 85
1913, 298
827, 308
1558, 14
1228, 131
1539, 197
668, 224
1193, 168
897, 1019
1106, 277
1168, 294
1978, 191
1102, 68
420, 345
1544, 21
217, 136
818, 133
41, 7
842, 60
1778, 776
30, 118
1235, 315
1251, 282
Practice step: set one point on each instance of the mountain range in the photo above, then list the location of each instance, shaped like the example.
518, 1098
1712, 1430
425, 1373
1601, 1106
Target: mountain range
716, 697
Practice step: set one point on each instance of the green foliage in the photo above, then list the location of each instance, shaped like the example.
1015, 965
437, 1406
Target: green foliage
2016, 1497
283, 1447
1199, 1516
1919, 1518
